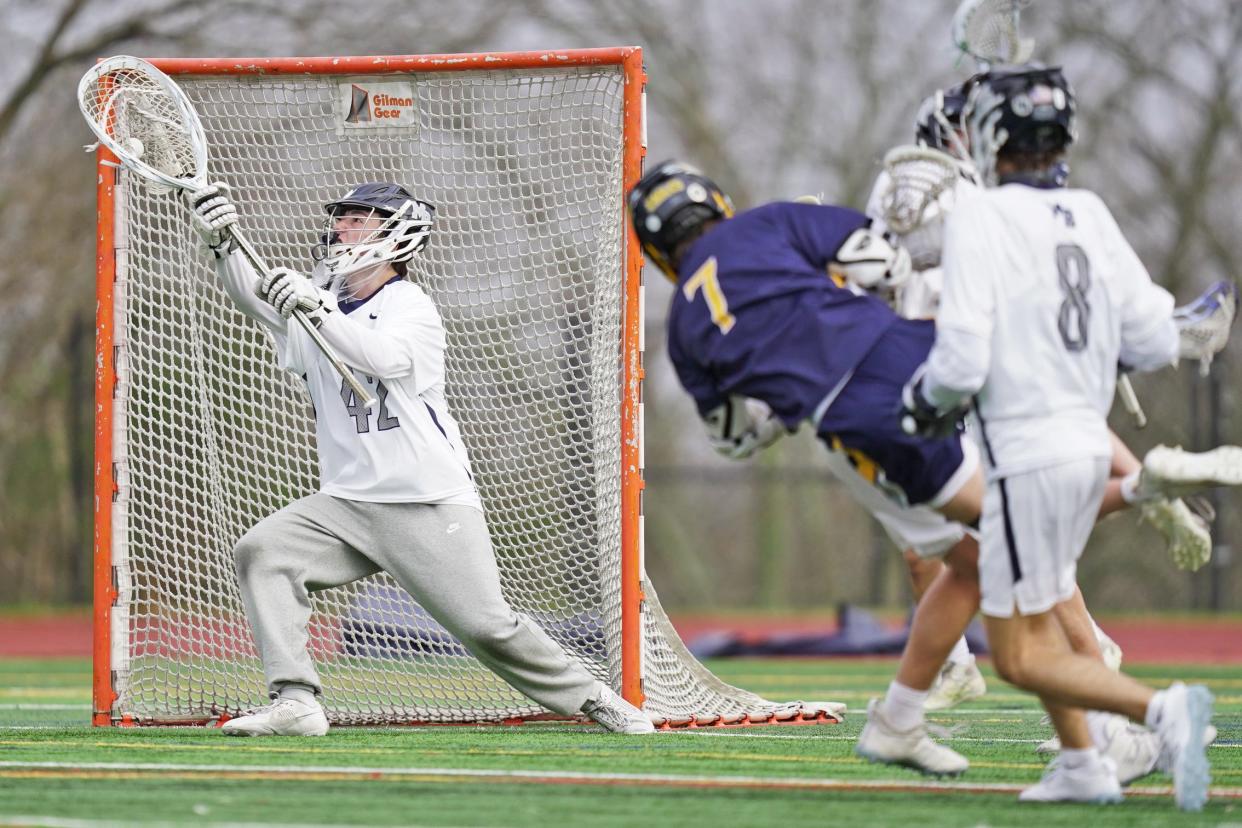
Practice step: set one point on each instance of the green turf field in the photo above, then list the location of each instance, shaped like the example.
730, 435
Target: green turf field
55, 770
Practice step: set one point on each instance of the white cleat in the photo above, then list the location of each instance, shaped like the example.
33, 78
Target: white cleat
956, 683
616, 715
283, 717
881, 742
1132, 748
1182, 729
1097, 784
1186, 534
1172, 472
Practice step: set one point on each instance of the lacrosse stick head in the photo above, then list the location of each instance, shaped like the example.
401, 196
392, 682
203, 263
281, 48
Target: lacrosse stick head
1203, 325
147, 122
987, 30
921, 190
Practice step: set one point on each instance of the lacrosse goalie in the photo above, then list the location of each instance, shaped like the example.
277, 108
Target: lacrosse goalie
396, 491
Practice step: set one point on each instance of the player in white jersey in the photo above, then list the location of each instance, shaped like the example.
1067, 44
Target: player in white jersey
1043, 299
396, 492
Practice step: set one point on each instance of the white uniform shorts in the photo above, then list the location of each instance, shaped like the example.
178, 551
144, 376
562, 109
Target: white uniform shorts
921, 528
1034, 527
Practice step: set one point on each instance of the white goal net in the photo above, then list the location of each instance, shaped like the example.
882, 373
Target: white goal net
527, 266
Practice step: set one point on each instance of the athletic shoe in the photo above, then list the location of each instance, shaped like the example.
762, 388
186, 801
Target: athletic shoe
1097, 783
1182, 725
1133, 748
617, 715
1110, 650
956, 683
1172, 472
1185, 533
283, 717
881, 742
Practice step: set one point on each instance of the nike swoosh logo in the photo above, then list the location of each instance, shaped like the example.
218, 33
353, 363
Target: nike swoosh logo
373, 316
452, 527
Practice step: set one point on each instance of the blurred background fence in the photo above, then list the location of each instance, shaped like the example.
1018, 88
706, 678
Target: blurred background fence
773, 100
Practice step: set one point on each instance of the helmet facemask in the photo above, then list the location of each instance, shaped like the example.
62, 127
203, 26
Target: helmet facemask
375, 225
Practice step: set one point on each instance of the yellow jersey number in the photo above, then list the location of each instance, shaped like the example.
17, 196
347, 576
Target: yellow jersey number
705, 278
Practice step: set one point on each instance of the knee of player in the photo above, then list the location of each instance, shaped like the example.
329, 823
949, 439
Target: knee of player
488, 631
248, 553
1013, 667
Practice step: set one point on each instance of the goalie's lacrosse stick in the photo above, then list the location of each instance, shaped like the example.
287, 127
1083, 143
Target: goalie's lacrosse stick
987, 30
149, 124
1203, 325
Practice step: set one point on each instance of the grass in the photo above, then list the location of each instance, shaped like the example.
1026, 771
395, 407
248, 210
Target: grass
56, 770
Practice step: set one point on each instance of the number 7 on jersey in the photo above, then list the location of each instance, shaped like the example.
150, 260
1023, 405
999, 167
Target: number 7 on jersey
705, 278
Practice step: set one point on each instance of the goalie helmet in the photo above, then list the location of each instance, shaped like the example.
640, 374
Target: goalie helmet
669, 205
403, 231
1019, 109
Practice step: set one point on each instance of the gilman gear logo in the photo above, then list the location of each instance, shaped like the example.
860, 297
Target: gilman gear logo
377, 104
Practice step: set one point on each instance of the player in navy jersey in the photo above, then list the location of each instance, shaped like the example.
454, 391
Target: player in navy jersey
773, 306
776, 322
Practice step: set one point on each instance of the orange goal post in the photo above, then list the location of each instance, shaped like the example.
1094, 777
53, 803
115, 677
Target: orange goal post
199, 434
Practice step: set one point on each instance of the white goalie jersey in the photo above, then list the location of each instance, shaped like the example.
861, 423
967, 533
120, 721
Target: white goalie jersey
1043, 298
407, 448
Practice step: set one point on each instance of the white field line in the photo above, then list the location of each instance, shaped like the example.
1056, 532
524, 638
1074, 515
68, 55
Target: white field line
24, 706
564, 777
33, 821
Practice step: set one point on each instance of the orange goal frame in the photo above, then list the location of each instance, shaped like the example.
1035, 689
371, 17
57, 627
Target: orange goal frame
634, 148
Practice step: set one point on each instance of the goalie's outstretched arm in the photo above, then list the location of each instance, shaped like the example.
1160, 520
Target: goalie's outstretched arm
214, 217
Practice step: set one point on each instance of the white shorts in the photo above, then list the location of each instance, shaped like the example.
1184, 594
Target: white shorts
1034, 527
921, 528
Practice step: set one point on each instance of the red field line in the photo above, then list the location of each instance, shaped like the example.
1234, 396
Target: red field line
1173, 641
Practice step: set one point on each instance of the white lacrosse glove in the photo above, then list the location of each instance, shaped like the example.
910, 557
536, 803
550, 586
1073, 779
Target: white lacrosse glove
287, 290
214, 216
873, 262
742, 426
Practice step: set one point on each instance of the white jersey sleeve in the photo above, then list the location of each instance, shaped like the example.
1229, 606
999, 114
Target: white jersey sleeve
239, 279
1149, 338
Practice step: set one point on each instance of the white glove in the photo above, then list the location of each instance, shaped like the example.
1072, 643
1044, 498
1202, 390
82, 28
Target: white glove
742, 426
872, 261
287, 290
214, 216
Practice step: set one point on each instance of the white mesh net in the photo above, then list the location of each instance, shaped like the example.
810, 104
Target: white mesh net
987, 30
526, 268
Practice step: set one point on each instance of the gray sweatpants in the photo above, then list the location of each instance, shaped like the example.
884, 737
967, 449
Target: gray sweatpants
442, 555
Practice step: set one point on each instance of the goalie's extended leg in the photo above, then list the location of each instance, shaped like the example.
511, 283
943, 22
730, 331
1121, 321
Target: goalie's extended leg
442, 555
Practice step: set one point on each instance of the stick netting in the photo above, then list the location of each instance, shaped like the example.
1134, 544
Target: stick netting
526, 268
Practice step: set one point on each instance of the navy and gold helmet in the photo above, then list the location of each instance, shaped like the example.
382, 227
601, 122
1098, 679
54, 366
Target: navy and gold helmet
669, 205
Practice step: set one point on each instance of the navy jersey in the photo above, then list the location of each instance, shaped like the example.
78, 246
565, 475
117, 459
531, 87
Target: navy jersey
756, 313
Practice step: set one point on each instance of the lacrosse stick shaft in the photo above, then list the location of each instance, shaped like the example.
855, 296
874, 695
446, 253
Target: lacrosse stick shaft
1130, 400
360, 390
